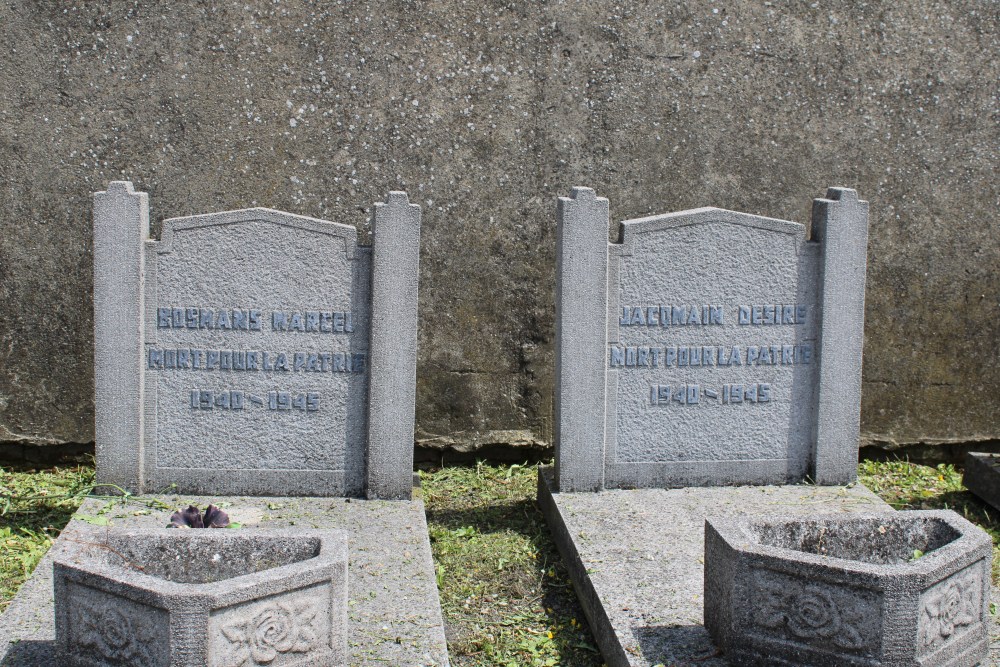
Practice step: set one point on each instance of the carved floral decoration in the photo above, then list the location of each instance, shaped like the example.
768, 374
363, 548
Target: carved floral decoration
111, 633
809, 613
279, 628
950, 606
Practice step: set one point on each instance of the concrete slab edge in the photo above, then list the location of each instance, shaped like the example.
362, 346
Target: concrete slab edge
600, 625
982, 478
26, 626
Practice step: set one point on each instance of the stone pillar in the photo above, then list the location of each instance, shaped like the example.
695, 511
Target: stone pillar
840, 224
581, 339
392, 349
121, 228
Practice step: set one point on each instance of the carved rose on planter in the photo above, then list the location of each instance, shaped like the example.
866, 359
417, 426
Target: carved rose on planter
110, 633
953, 605
807, 613
282, 627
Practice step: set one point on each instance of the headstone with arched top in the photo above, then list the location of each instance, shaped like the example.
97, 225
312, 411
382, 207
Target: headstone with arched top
708, 347
254, 352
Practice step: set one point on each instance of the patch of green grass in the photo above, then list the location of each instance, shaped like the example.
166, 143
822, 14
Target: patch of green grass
34, 506
910, 486
505, 594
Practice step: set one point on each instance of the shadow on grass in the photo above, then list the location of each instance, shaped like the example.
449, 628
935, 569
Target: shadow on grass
968, 505
31, 652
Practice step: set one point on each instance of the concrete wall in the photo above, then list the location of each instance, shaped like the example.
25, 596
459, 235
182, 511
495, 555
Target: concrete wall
485, 112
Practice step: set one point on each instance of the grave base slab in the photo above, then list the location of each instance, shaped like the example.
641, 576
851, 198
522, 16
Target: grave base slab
636, 558
982, 476
394, 615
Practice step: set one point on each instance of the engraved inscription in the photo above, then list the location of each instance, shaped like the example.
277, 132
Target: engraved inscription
253, 319
948, 607
727, 394
236, 319
773, 314
208, 318
636, 357
709, 355
238, 400
751, 314
670, 316
254, 360
315, 321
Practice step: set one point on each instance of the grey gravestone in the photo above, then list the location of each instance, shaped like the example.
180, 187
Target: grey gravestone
982, 476
636, 558
254, 352
708, 347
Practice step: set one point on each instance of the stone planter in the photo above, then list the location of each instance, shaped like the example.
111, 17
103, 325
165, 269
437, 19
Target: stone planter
186, 598
878, 590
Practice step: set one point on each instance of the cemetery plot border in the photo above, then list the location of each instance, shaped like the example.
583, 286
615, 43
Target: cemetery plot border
636, 558
393, 614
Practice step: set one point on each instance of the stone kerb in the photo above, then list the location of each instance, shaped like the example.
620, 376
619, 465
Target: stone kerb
237, 354
982, 476
899, 589
724, 347
202, 598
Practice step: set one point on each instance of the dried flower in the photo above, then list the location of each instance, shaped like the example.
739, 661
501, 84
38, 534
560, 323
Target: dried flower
193, 518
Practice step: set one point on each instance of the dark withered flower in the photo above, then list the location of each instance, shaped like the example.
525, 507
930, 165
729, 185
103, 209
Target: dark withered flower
215, 518
189, 518
193, 518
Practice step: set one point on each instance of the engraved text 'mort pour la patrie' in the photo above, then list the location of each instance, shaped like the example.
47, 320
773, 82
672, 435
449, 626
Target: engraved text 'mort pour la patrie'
252, 319
719, 355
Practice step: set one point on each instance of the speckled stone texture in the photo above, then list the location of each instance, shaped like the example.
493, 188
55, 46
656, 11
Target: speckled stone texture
201, 598
982, 476
705, 440
724, 347
269, 353
485, 113
393, 613
636, 558
905, 589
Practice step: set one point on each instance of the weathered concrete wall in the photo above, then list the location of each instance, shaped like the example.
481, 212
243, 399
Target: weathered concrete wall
486, 112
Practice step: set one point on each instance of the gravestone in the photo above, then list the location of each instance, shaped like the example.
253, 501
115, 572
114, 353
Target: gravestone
254, 352
269, 359
702, 359
708, 347
982, 476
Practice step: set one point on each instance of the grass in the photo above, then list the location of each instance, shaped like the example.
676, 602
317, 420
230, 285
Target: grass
505, 593
34, 506
909, 486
